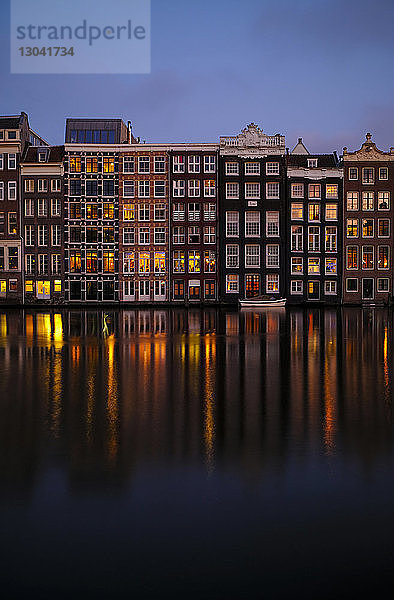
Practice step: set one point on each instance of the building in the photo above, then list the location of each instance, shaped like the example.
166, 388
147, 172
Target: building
144, 263
314, 234
42, 219
15, 136
194, 223
368, 224
252, 215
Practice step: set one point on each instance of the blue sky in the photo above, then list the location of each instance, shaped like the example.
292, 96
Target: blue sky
317, 69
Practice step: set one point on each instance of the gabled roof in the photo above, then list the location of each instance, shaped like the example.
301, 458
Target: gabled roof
300, 148
324, 161
54, 154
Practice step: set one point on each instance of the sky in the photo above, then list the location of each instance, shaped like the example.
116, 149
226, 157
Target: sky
317, 69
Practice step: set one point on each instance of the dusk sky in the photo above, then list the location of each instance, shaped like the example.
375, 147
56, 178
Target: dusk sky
317, 69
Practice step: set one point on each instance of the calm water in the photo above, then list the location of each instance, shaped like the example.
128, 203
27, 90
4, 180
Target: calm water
196, 454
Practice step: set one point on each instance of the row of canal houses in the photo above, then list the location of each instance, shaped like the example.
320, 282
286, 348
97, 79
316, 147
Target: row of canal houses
106, 218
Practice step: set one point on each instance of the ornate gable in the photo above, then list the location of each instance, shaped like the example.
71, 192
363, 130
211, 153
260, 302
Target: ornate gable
368, 152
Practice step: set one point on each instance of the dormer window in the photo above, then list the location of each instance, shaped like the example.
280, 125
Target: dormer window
11, 135
1, 135
312, 163
42, 156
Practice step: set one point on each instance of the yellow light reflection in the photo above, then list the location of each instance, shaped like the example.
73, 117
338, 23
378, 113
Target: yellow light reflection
209, 400
112, 401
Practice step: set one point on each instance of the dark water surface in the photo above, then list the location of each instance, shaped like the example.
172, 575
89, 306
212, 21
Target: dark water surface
197, 454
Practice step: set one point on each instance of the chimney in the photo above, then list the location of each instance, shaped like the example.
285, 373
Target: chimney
129, 132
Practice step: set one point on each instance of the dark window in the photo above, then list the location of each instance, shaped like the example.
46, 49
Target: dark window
96, 137
108, 235
75, 187
91, 188
179, 289
91, 235
75, 290
108, 290
111, 137
88, 136
80, 134
108, 187
91, 290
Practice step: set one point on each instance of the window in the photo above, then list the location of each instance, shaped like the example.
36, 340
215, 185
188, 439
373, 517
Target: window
272, 255
108, 235
56, 207
368, 200
272, 168
351, 228
56, 265
272, 283
296, 265
42, 207
128, 235
252, 255
56, 185
209, 211
144, 188
314, 190
352, 257
12, 161
331, 212
232, 224
144, 212
252, 224
383, 173
1, 158
232, 191
178, 188
296, 287
209, 261
383, 200
313, 266
178, 235
143, 235
297, 190
108, 210
75, 164
194, 211
1, 190
75, 187
312, 163
91, 164
209, 235
159, 212
331, 239
209, 164
383, 285
297, 238
128, 164
232, 284
159, 164
29, 286
194, 261
330, 287
42, 235
297, 211
383, 257
232, 168
252, 190
331, 266
252, 168
367, 228
91, 235
56, 235
313, 238
128, 189
12, 190
178, 261
272, 190
128, 212
179, 164
12, 223
351, 285
159, 235
314, 212
43, 264
159, 262
178, 211
272, 224
29, 207
194, 188
143, 164
91, 211
42, 185
75, 261
353, 173
108, 187
368, 174
13, 258
108, 261
179, 289
29, 185
367, 257
352, 201
209, 187
194, 235
159, 189
194, 163
144, 262
91, 187
383, 228
331, 191
232, 256
29, 235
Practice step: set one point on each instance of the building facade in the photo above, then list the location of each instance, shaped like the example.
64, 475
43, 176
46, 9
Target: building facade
368, 224
42, 224
314, 230
252, 216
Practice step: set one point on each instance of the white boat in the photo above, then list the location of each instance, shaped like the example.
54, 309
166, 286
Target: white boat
259, 302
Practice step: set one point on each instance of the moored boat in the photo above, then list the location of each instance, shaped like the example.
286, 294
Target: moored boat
261, 302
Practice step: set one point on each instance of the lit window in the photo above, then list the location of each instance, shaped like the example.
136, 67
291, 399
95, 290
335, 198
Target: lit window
297, 264
232, 284
352, 257
331, 190
352, 201
313, 265
297, 211
331, 212
297, 190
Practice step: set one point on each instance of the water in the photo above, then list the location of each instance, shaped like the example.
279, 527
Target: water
196, 454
